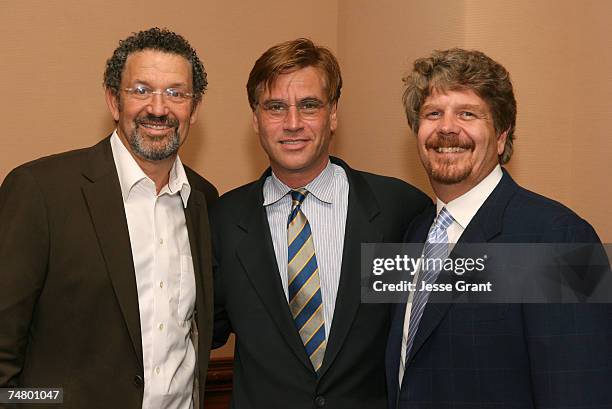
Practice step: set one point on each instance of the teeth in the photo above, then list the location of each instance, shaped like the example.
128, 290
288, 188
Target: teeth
453, 149
291, 142
151, 126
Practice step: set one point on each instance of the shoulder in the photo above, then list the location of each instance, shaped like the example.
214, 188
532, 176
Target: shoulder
238, 200
51, 182
391, 187
56, 163
549, 218
390, 193
399, 202
238, 195
55, 172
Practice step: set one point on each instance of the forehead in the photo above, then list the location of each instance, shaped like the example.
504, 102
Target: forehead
157, 66
307, 81
455, 97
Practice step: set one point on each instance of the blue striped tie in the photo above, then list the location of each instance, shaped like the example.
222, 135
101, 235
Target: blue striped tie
304, 287
436, 247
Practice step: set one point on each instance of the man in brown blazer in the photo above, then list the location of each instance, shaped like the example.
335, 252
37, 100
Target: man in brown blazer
105, 251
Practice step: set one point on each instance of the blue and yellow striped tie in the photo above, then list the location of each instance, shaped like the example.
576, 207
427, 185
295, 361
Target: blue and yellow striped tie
304, 287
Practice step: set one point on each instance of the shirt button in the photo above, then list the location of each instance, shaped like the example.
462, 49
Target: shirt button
161, 326
157, 370
138, 381
319, 401
161, 242
161, 284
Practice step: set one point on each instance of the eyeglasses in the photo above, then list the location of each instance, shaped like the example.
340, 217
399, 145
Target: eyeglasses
143, 93
307, 108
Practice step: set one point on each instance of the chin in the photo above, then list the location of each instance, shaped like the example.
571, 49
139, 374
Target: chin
295, 167
449, 175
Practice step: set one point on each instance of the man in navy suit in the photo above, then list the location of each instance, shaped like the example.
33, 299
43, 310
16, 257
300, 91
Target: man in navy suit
461, 106
293, 90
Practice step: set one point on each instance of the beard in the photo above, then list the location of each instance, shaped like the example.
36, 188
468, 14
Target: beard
155, 148
447, 171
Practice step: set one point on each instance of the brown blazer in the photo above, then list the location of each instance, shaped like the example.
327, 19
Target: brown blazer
68, 300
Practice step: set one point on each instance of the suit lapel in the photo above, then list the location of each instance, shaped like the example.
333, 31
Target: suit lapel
416, 233
393, 353
256, 254
488, 221
102, 193
485, 225
199, 242
192, 219
360, 228
195, 206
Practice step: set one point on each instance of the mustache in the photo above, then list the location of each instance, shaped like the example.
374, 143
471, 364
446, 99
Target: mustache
164, 120
448, 141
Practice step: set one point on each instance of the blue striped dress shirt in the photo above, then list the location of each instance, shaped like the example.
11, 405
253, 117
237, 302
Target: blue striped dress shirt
325, 208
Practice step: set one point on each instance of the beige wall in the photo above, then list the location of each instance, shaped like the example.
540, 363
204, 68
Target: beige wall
52, 61
53, 56
558, 52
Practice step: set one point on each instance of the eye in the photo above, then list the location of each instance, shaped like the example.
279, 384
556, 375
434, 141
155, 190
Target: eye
432, 114
310, 105
141, 90
467, 115
174, 93
275, 107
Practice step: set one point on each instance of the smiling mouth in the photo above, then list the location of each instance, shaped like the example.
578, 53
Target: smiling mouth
155, 126
157, 123
450, 149
293, 142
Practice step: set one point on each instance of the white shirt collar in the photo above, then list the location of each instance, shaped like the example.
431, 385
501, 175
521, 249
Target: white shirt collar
321, 187
464, 208
130, 173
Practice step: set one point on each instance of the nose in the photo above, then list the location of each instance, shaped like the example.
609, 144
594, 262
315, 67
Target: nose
293, 120
157, 105
448, 124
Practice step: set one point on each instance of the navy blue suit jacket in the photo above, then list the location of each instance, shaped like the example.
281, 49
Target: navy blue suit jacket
506, 355
271, 367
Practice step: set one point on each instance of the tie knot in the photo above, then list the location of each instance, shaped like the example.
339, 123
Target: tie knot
298, 196
444, 219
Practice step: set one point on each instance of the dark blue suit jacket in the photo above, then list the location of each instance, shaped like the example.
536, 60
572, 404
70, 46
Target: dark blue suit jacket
271, 367
506, 355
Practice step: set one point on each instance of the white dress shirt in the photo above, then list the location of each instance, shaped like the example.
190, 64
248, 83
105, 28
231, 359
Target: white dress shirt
164, 279
325, 207
463, 209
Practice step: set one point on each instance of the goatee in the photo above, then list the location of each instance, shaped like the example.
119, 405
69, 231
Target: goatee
154, 149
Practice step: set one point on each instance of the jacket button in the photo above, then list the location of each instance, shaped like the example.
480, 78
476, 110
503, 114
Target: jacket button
319, 401
138, 381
